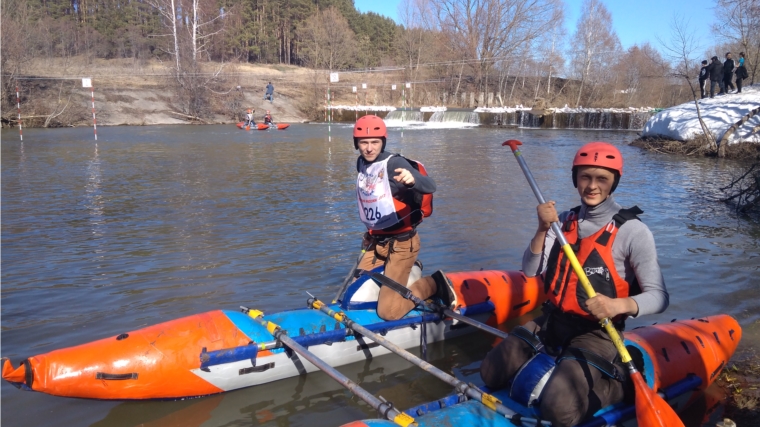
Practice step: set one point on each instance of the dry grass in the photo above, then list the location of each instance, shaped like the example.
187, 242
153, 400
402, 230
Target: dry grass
742, 384
699, 147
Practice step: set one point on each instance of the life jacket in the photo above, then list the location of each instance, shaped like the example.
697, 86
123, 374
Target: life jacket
594, 253
379, 210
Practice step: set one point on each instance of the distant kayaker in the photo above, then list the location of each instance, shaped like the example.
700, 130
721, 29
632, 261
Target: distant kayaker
391, 198
249, 117
617, 252
269, 93
267, 118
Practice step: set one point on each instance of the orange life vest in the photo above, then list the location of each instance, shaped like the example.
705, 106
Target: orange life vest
595, 255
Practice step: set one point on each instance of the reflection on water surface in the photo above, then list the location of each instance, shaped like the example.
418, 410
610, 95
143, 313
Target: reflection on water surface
154, 223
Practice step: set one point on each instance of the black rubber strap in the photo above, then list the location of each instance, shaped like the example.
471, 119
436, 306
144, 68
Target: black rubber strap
589, 357
395, 286
528, 337
28, 374
106, 376
625, 215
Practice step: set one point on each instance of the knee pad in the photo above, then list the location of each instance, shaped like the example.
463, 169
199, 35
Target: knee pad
530, 380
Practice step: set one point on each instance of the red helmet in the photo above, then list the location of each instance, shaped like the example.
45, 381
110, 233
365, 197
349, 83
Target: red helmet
600, 154
369, 126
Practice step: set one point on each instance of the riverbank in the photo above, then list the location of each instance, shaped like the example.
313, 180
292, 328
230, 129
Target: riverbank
729, 118
741, 384
741, 151
127, 92
133, 92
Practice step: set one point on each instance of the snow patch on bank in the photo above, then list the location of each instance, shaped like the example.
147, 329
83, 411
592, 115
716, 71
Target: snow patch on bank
363, 107
565, 109
432, 109
381, 108
680, 123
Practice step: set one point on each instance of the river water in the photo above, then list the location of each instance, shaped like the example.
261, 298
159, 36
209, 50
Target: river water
153, 223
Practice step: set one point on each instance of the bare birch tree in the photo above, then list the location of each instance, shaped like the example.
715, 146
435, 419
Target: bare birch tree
414, 40
190, 25
595, 42
551, 60
488, 29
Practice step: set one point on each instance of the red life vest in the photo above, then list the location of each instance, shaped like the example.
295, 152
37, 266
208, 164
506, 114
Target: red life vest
410, 214
595, 255
426, 201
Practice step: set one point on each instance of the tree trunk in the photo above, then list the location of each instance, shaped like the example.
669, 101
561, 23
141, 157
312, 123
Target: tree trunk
724, 140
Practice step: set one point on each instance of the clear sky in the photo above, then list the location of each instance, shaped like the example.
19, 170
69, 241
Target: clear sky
635, 21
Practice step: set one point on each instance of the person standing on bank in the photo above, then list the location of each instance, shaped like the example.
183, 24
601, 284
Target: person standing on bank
728, 72
389, 192
269, 93
741, 73
617, 252
704, 74
716, 76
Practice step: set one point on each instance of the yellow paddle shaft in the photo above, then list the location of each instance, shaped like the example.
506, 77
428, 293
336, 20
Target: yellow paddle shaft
606, 323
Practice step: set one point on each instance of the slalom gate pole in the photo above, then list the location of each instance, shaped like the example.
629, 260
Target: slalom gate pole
469, 390
94, 121
18, 106
329, 115
406, 293
386, 409
403, 108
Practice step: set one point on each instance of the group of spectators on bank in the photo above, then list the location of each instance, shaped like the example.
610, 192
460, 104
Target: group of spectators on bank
722, 75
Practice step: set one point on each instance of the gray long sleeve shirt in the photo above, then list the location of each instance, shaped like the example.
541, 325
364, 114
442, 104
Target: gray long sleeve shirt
633, 251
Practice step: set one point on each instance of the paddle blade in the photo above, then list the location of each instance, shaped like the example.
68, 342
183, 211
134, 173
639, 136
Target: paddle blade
248, 127
651, 409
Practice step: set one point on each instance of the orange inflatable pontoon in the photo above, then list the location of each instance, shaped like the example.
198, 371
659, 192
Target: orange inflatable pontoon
224, 350
262, 126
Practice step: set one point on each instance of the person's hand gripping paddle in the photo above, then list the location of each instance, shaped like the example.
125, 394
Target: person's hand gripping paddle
651, 409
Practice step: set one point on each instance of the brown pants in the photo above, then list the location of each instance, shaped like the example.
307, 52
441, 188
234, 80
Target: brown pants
576, 390
398, 256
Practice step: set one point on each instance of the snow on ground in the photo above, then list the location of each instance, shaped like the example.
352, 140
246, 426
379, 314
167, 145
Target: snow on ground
565, 109
363, 107
432, 109
720, 113
501, 109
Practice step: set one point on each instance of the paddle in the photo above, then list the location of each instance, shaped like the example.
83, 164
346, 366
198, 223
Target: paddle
471, 391
436, 308
651, 409
350, 275
382, 407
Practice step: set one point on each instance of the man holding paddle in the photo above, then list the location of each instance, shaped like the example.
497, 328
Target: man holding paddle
391, 194
616, 253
